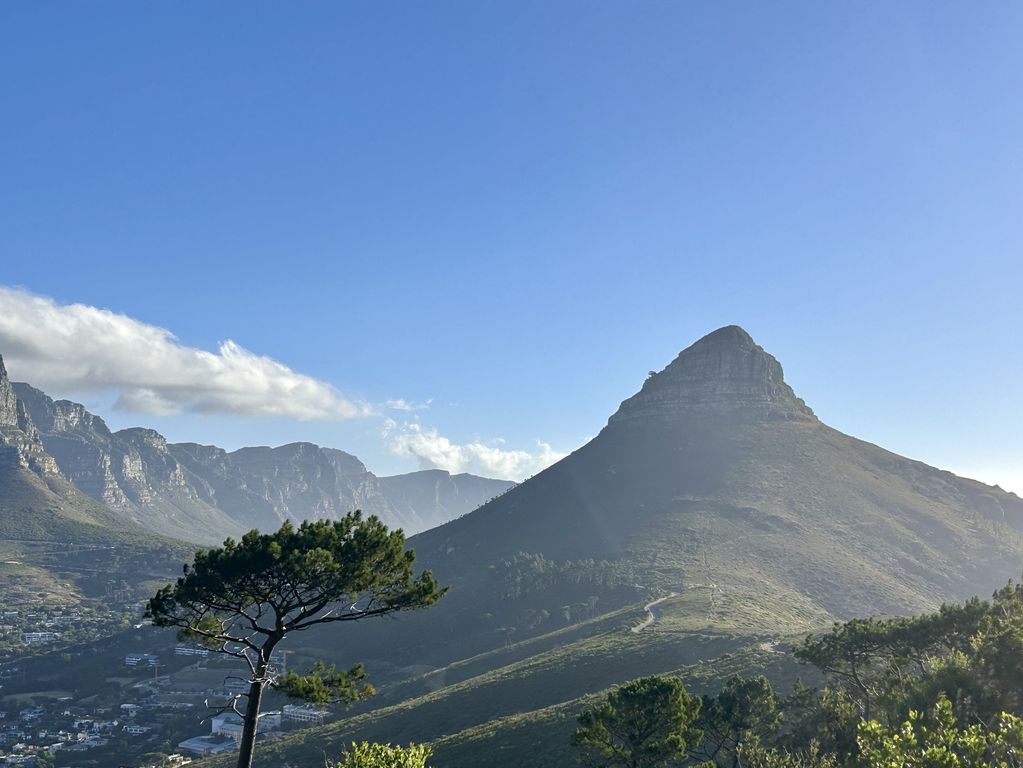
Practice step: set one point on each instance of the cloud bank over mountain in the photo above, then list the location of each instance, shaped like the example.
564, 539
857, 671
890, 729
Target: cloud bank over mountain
80, 348
435, 451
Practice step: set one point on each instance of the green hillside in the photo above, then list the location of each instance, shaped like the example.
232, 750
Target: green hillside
47, 508
59, 546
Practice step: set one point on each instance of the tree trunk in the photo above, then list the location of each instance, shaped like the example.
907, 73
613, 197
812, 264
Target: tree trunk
251, 719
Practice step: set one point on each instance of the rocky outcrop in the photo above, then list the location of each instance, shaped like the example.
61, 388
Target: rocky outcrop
80, 443
58, 416
20, 443
262, 487
148, 472
8, 400
725, 373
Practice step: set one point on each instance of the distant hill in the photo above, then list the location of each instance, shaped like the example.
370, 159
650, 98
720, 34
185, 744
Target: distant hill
714, 482
203, 494
433, 497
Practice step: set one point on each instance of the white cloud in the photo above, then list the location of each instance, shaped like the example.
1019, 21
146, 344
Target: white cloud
434, 451
401, 404
76, 348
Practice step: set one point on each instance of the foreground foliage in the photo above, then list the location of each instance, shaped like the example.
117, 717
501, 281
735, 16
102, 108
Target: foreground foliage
941, 690
882, 669
366, 755
937, 741
646, 723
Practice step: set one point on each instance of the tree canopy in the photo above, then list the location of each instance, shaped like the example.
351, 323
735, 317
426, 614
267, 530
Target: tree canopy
941, 690
935, 740
244, 598
746, 710
646, 723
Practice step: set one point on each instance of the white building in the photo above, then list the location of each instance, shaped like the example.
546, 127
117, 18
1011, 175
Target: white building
190, 650
20, 760
230, 725
299, 714
35, 638
141, 660
208, 745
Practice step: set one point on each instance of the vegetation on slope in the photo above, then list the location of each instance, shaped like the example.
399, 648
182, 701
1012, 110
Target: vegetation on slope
872, 670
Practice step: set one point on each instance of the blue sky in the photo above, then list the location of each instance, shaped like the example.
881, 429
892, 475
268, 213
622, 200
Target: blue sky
512, 211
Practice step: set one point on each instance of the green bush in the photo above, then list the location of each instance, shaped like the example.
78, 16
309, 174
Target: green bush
366, 755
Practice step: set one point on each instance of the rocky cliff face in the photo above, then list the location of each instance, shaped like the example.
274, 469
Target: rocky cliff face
204, 493
130, 471
725, 373
20, 444
80, 443
8, 401
148, 472
58, 416
261, 487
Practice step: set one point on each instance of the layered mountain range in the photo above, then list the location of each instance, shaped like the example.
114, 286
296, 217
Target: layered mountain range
203, 493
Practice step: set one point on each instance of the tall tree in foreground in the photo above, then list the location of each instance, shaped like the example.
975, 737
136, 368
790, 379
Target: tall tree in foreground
647, 723
243, 599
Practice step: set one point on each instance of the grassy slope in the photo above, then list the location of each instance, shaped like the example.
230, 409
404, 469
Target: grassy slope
26, 584
527, 707
52, 536
539, 739
549, 677
32, 508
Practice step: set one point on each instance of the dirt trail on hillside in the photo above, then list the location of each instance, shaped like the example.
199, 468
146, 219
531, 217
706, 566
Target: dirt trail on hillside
654, 614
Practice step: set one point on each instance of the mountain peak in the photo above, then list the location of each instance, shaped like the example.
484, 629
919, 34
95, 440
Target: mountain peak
725, 373
729, 335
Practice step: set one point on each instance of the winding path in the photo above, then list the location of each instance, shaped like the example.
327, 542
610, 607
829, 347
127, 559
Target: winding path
655, 615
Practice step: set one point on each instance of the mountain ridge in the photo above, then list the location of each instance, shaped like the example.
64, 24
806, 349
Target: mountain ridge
205, 493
